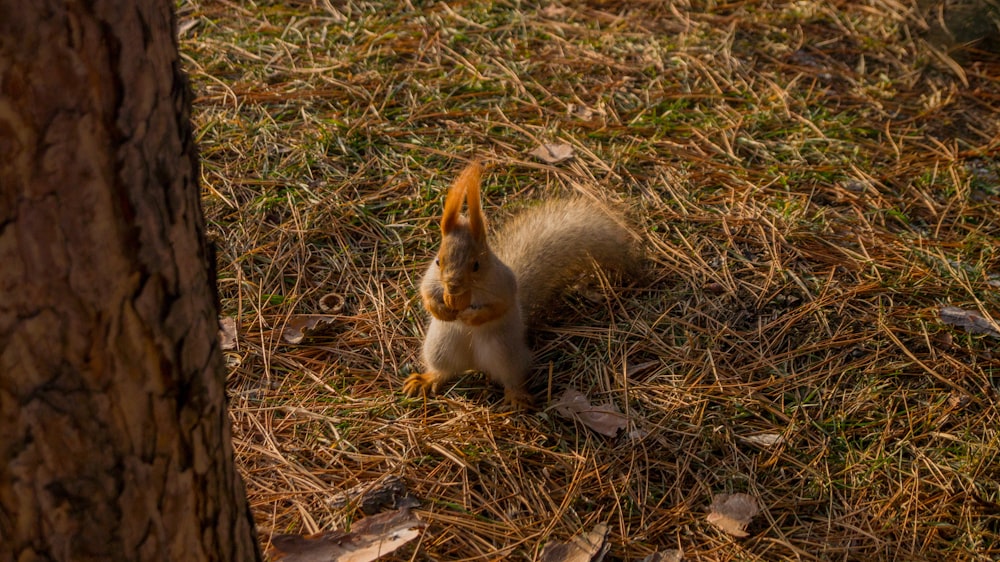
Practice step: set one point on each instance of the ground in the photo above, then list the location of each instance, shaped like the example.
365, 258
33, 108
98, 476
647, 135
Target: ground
813, 182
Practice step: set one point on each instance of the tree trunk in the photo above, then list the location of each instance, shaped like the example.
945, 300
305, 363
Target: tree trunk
114, 435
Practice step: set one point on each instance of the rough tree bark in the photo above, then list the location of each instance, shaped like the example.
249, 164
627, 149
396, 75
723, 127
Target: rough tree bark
114, 436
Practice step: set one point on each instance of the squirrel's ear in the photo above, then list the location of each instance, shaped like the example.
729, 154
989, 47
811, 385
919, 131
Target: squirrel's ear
466, 187
477, 222
453, 203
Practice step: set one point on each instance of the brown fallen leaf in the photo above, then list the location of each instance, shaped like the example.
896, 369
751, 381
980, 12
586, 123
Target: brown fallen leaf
970, 320
332, 303
670, 555
605, 419
956, 400
582, 548
554, 11
584, 113
553, 153
634, 369
369, 539
764, 439
372, 497
299, 326
227, 333
714, 288
732, 513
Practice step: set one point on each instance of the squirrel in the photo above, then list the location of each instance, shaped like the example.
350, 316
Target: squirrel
483, 297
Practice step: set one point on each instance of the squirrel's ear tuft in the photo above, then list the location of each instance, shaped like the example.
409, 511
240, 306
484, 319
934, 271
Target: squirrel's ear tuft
477, 222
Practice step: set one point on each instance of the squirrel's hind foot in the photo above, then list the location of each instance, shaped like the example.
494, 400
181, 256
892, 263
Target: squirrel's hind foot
518, 399
419, 384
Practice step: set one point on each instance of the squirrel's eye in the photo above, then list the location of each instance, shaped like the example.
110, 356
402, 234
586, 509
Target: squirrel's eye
437, 262
475, 265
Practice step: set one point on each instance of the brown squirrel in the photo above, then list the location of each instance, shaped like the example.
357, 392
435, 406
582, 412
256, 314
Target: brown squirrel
481, 300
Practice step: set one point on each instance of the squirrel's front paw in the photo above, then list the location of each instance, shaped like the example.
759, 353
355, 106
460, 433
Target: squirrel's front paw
478, 315
440, 311
418, 384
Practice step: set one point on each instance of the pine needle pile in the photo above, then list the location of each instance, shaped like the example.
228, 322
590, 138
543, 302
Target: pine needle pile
816, 182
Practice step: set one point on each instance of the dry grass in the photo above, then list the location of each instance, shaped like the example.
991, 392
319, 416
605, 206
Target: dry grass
815, 180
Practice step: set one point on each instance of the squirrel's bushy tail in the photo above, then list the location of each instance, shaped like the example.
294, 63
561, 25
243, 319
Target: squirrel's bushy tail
550, 246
